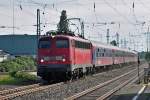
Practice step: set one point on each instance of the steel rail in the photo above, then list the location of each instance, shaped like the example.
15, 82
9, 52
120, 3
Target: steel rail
78, 95
108, 94
28, 91
8, 91
12, 93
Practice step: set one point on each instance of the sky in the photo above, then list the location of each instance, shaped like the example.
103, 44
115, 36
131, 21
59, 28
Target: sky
131, 18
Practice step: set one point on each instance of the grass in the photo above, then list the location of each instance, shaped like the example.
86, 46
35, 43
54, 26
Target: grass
9, 80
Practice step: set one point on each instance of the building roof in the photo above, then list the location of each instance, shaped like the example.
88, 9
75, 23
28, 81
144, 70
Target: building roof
3, 53
19, 44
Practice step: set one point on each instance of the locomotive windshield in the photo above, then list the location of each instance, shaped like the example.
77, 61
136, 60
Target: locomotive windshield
62, 43
44, 43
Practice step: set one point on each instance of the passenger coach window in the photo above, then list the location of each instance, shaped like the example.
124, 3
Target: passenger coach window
44, 44
62, 44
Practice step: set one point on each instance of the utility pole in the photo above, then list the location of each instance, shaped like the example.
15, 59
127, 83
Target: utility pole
82, 29
147, 40
130, 40
38, 25
121, 43
107, 36
117, 35
124, 44
147, 34
138, 45
138, 69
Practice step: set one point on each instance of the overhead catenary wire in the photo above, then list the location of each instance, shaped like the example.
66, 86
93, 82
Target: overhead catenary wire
33, 3
133, 5
120, 14
95, 14
144, 6
15, 6
97, 20
49, 4
123, 1
32, 14
141, 23
134, 15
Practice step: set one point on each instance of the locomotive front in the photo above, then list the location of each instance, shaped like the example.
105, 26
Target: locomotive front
53, 57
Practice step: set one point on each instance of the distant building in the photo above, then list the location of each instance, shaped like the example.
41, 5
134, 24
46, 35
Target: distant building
19, 45
4, 56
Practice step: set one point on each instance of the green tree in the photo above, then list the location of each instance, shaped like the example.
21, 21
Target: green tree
113, 43
147, 56
63, 23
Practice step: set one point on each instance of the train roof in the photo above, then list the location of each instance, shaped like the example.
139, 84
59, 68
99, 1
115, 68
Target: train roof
107, 46
94, 43
70, 37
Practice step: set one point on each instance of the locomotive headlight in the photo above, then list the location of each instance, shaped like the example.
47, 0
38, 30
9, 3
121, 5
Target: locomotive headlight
63, 59
42, 60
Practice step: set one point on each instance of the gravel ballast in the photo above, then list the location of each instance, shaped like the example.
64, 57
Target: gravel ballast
70, 88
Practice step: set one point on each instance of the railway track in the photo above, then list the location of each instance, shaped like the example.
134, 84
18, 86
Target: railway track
10, 91
13, 93
106, 89
25, 90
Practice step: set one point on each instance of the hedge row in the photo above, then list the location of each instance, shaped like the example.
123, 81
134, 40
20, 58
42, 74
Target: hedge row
23, 75
18, 64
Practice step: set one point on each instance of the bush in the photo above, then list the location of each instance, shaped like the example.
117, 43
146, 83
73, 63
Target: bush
23, 75
18, 64
12, 73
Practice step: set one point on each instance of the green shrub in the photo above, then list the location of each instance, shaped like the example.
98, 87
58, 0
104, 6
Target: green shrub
7, 79
12, 73
23, 75
18, 64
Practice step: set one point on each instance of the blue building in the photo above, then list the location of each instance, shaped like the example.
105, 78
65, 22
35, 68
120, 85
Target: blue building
18, 45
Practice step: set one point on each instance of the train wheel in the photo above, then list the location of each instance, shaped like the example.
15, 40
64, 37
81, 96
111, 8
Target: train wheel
43, 80
93, 70
74, 74
69, 76
80, 73
87, 70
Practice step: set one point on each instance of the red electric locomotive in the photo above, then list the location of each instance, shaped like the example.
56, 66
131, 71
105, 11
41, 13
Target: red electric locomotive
62, 56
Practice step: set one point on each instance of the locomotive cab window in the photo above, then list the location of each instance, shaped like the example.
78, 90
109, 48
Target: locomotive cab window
62, 43
44, 43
